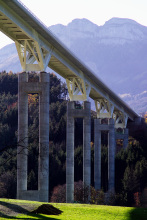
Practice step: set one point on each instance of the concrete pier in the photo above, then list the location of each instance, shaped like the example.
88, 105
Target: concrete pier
125, 140
86, 144
70, 154
111, 156
123, 136
73, 113
22, 149
87, 151
24, 88
98, 127
97, 154
43, 168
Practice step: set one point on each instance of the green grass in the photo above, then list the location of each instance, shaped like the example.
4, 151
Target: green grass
79, 212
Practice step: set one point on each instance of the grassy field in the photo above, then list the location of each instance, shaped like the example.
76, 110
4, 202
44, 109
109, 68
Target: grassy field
16, 209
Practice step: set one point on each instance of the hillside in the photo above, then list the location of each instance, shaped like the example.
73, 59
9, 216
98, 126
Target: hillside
116, 52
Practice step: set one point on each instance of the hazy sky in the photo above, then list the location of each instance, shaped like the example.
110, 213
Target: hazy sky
52, 12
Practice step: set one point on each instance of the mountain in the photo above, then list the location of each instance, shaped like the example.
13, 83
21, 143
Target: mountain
9, 59
116, 52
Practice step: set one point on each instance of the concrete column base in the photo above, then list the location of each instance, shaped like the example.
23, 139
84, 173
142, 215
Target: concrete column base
33, 195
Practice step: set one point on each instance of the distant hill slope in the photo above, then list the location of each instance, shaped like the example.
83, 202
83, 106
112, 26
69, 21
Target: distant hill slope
116, 52
9, 59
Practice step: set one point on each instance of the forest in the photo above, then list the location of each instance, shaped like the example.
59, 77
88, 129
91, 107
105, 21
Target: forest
131, 164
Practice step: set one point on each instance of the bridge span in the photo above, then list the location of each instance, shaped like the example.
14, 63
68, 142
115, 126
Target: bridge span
38, 49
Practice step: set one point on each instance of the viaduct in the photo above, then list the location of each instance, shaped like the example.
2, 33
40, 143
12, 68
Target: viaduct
38, 49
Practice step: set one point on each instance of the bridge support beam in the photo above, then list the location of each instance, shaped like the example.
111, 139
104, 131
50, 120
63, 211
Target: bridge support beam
70, 154
97, 154
42, 88
72, 113
111, 156
126, 135
43, 172
87, 150
22, 150
111, 153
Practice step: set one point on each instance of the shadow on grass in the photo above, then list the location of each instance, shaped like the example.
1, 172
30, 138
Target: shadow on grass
138, 214
18, 209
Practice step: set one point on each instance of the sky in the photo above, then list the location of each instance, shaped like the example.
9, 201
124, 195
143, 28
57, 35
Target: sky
52, 12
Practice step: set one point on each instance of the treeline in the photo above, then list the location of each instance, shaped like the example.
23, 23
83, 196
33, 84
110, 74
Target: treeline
131, 164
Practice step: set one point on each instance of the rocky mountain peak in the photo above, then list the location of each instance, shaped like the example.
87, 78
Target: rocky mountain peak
120, 21
83, 25
122, 30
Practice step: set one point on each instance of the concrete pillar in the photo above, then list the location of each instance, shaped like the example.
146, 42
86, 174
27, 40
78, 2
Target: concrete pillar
111, 156
86, 146
43, 168
70, 154
22, 150
97, 154
125, 141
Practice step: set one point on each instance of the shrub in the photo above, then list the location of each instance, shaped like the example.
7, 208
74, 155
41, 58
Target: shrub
59, 194
97, 196
78, 192
117, 199
81, 194
8, 185
137, 199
